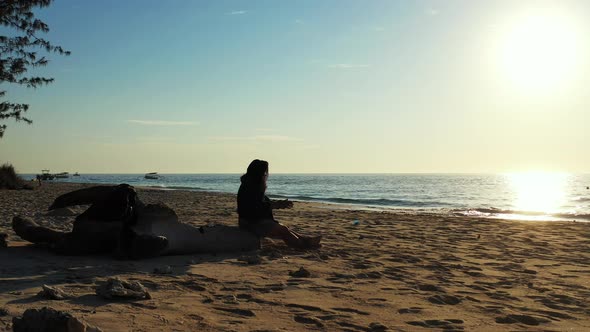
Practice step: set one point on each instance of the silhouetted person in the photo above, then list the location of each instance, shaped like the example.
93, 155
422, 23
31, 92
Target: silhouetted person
255, 209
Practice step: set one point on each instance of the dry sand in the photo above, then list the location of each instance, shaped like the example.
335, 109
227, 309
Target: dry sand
406, 272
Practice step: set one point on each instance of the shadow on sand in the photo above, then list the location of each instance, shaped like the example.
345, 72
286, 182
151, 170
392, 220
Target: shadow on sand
26, 266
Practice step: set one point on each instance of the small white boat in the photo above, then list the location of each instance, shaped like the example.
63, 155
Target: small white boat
152, 176
45, 175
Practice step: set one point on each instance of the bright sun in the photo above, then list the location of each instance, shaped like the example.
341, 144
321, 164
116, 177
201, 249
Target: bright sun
538, 191
538, 50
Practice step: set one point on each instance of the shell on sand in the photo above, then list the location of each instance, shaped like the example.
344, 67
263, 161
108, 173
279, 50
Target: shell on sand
115, 288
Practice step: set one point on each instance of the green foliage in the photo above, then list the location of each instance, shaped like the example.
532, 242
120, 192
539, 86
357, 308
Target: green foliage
9, 179
19, 53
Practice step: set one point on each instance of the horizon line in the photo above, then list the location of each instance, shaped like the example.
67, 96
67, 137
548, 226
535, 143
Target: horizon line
335, 173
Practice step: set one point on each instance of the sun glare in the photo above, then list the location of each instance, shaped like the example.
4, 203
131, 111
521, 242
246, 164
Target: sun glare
538, 191
538, 50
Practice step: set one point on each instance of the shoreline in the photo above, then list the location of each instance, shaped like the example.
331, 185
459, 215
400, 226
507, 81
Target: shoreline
405, 272
456, 212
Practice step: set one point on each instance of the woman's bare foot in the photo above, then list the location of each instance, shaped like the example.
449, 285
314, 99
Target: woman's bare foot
311, 242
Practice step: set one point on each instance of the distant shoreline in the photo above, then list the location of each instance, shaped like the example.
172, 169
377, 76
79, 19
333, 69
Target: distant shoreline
356, 207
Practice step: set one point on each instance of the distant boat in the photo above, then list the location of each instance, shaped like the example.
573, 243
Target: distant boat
45, 175
62, 175
76, 174
152, 176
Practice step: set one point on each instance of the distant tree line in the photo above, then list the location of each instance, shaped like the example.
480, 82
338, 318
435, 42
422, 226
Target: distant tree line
19, 52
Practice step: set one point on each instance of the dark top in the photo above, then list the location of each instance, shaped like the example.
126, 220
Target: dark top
253, 205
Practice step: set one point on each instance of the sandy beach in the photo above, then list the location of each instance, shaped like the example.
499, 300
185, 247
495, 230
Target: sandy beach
392, 271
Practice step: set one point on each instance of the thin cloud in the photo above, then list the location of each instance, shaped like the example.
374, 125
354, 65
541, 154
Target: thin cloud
299, 21
163, 123
257, 138
348, 66
93, 138
311, 147
237, 12
432, 12
226, 138
378, 29
275, 138
155, 139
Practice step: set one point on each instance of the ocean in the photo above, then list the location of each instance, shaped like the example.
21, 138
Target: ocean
524, 196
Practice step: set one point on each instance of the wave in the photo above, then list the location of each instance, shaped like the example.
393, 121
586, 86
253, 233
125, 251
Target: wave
366, 201
516, 214
179, 187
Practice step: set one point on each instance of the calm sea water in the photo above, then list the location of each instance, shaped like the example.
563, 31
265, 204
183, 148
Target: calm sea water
528, 196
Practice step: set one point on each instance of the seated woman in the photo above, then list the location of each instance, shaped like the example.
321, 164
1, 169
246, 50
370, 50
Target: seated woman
255, 209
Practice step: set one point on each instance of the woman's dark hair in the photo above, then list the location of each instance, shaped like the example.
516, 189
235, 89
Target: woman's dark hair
255, 172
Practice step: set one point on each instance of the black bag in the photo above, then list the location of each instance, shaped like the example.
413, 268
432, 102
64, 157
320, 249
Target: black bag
118, 205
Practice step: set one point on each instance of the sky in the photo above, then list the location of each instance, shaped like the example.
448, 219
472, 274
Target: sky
311, 86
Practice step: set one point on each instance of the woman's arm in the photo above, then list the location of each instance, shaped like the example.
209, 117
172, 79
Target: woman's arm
252, 205
281, 204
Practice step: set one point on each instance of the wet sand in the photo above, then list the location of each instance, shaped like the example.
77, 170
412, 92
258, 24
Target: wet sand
393, 271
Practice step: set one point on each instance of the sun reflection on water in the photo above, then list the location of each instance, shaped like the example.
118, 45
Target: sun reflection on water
538, 191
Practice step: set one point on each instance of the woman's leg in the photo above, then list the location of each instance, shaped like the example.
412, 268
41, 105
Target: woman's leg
281, 232
292, 239
29, 230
